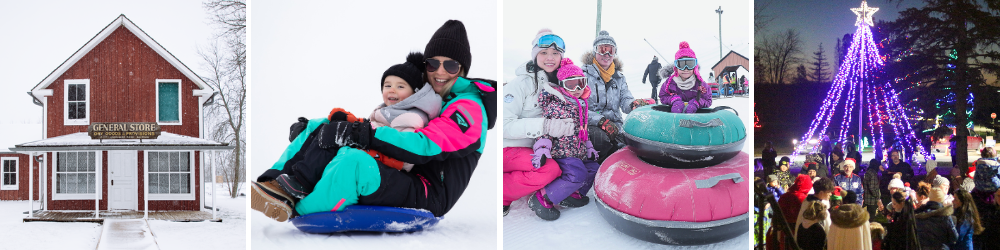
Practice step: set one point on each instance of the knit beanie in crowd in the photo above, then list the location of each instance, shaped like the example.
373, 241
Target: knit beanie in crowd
896, 183
604, 38
567, 69
451, 41
937, 195
938, 181
411, 71
534, 43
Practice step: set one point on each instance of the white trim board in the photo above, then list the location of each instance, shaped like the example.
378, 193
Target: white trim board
97, 39
17, 173
190, 196
180, 101
73, 122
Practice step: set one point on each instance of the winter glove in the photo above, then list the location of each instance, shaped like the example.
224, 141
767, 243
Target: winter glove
638, 103
609, 127
558, 127
701, 89
543, 151
592, 153
342, 133
297, 128
339, 114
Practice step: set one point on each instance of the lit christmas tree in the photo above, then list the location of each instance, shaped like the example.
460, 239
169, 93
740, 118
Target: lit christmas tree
859, 93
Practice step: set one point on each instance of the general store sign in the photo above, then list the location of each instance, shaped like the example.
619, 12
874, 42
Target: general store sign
123, 130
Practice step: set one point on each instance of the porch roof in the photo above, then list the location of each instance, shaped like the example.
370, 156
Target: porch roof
81, 142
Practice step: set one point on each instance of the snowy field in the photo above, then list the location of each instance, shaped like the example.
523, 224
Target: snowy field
471, 224
230, 234
584, 228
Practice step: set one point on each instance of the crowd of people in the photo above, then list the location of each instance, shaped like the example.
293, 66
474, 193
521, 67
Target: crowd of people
885, 207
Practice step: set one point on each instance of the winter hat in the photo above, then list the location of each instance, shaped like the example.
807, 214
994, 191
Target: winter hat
410, 71
972, 169
604, 38
534, 43
785, 160
684, 51
851, 161
896, 183
936, 194
938, 181
838, 153
567, 69
771, 178
451, 41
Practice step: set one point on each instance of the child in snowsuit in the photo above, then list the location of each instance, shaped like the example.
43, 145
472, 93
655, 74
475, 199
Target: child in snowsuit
685, 91
407, 106
574, 153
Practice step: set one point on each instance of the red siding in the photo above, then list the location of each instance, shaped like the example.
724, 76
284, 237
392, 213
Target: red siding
122, 71
22, 179
731, 59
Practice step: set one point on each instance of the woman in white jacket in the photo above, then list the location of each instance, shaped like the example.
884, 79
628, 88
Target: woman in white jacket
523, 122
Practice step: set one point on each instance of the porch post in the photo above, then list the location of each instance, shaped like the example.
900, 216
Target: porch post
145, 185
214, 207
31, 184
99, 168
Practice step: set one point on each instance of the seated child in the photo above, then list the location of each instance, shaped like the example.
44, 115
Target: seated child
685, 91
574, 153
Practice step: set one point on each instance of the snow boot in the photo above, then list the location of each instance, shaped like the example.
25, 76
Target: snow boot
506, 209
291, 186
543, 207
575, 200
268, 198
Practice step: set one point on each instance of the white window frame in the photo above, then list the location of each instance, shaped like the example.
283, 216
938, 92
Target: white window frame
98, 171
66, 120
180, 101
17, 175
159, 197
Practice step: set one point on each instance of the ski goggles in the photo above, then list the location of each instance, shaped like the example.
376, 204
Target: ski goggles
547, 41
605, 49
574, 83
686, 63
451, 66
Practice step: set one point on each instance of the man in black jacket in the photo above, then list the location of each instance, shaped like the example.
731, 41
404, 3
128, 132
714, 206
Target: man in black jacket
654, 77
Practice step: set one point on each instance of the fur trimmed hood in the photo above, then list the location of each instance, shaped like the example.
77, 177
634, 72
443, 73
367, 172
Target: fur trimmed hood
588, 58
933, 209
666, 70
848, 216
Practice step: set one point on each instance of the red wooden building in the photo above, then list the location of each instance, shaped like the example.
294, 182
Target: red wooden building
14, 176
120, 75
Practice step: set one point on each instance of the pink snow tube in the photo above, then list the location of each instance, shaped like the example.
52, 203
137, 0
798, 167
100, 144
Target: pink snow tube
632, 186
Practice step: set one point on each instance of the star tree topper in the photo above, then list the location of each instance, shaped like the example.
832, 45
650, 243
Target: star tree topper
864, 14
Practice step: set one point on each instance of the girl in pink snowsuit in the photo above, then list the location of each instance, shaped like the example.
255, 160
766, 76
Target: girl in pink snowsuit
574, 153
685, 86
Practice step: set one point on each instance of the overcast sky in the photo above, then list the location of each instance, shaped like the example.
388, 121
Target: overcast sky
40, 35
663, 23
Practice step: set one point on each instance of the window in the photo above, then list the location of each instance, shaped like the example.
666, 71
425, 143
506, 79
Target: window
168, 101
8, 173
77, 97
76, 176
171, 176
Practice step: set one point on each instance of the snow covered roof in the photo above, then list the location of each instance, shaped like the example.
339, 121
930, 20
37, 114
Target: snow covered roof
82, 141
97, 39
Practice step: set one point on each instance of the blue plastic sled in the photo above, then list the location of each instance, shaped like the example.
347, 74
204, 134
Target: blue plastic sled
367, 218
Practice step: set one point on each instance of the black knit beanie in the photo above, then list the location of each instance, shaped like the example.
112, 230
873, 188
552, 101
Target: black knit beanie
451, 41
411, 71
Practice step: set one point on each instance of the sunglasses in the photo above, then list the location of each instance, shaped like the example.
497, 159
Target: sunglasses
547, 41
451, 66
686, 63
574, 83
606, 49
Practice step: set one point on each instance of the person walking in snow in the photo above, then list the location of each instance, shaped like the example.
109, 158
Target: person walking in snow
653, 71
445, 153
523, 121
574, 153
685, 91
610, 96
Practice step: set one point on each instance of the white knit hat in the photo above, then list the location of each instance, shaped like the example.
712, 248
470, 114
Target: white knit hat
896, 183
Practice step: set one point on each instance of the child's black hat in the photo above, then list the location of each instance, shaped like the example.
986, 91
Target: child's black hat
410, 71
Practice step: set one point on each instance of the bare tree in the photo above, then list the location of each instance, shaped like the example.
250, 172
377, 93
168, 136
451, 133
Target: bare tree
226, 64
761, 16
778, 52
820, 65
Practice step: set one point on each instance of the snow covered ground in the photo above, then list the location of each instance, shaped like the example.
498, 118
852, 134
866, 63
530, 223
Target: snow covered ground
584, 228
230, 234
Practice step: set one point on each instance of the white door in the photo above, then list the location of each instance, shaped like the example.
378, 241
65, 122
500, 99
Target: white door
122, 168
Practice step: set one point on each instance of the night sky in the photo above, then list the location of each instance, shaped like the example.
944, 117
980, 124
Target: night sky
825, 21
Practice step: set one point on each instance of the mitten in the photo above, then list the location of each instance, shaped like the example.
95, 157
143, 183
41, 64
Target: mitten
342, 133
592, 153
339, 114
609, 127
558, 127
297, 128
543, 151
